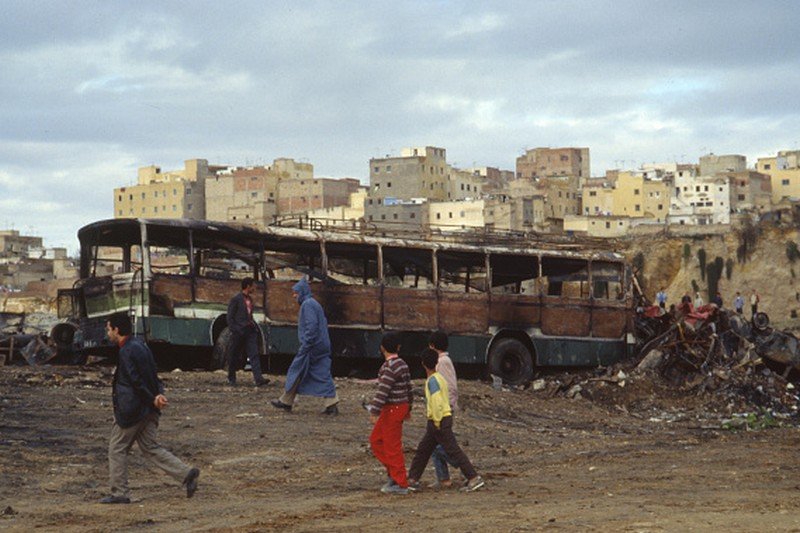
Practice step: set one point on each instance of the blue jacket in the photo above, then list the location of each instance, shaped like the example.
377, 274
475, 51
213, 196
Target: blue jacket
135, 383
310, 371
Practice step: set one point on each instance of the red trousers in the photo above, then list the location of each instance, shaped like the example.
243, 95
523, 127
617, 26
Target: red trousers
386, 441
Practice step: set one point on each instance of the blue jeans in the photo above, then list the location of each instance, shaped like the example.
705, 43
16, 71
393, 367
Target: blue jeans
440, 461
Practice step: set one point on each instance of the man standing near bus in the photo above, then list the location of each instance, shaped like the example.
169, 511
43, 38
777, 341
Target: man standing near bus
310, 371
244, 334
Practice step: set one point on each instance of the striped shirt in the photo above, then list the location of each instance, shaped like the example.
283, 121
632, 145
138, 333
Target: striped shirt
394, 385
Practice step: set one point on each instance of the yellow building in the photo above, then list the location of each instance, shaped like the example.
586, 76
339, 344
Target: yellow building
632, 195
172, 194
784, 173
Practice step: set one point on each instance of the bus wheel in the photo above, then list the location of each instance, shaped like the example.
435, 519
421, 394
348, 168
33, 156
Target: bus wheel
220, 354
511, 360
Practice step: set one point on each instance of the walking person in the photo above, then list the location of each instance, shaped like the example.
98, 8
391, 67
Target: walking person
138, 398
439, 429
738, 303
438, 342
310, 371
244, 334
754, 300
390, 407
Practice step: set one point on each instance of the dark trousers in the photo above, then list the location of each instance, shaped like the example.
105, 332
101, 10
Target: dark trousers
246, 342
442, 435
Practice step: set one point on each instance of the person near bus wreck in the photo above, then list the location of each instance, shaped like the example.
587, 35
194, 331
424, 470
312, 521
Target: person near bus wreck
438, 341
310, 371
138, 398
244, 334
390, 407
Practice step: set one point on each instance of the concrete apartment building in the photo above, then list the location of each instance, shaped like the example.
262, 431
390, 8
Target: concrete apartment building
554, 162
463, 184
492, 179
250, 194
342, 216
594, 226
749, 190
296, 196
784, 171
700, 200
395, 217
420, 172
711, 165
172, 194
24, 259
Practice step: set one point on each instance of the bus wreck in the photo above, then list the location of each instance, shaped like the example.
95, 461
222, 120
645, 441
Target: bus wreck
509, 307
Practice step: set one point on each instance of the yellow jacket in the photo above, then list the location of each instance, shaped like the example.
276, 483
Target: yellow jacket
436, 398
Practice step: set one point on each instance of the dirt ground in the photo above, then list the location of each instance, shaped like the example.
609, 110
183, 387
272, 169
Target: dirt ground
623, 461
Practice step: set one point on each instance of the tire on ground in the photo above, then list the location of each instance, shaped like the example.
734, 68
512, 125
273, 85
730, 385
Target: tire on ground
220, 355
511, 360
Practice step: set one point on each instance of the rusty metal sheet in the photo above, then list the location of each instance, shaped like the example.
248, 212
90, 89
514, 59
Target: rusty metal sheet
177, 288
565, 316
409, 309
609, 321
463, 312
515, 311
349, 305
281, 305
209, 290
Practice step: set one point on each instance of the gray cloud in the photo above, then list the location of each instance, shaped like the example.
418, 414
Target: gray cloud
91, 90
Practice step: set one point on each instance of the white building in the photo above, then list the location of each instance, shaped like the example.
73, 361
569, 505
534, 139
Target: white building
700, 200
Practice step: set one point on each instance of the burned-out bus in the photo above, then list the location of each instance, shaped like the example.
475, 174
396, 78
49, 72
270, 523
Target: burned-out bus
509, 307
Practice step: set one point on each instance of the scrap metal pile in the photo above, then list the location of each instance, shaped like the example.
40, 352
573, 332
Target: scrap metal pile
713, 350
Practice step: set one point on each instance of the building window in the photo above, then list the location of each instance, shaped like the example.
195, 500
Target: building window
592, 193
450, 215
412, 215
189, 207
388, 184
155, 209
119, 198
369, 201
638, 207
767, 167
383, 217
705, 189
376, 169
394, 216
740, 197
784, 182
438, 216
253, 194
660, 207
370, 218
388, 168
608, 225
120, 212
635, 192
462, 214
142, 196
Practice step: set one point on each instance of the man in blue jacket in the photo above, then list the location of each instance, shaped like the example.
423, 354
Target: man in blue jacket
310, 371
138, 397
244, 334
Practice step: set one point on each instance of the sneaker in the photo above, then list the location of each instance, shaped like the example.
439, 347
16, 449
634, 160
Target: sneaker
474, 484
414, 486
115, 499
331, 410
441, 485
280, 405
394, 489
389, 484
191, 482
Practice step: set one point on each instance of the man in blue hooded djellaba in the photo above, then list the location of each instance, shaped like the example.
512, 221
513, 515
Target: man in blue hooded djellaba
310, 371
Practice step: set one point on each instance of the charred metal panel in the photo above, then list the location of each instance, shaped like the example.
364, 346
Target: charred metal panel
177, 289
565, 316
350, 305
463, 313
411, 309
515, 311
282, 307
220, 291
609, 321
577, 352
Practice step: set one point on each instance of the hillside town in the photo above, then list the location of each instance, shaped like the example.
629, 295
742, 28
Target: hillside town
551, 190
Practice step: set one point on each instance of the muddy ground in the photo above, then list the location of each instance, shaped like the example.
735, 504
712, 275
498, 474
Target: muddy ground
625, 460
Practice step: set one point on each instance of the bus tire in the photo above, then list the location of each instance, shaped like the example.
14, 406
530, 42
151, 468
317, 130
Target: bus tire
511, 360
220, 355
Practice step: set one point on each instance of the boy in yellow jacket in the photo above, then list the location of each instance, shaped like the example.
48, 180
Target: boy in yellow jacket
439, 429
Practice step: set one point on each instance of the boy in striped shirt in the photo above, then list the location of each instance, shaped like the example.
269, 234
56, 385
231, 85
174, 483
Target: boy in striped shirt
388, 409
439, 429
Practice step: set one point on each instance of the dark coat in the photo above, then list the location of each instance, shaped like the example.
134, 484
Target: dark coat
135, 384
238, 317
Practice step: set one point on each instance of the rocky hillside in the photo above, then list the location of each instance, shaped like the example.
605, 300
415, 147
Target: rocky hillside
748, 257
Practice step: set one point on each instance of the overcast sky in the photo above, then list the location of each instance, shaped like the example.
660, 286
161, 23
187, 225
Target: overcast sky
90, 91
